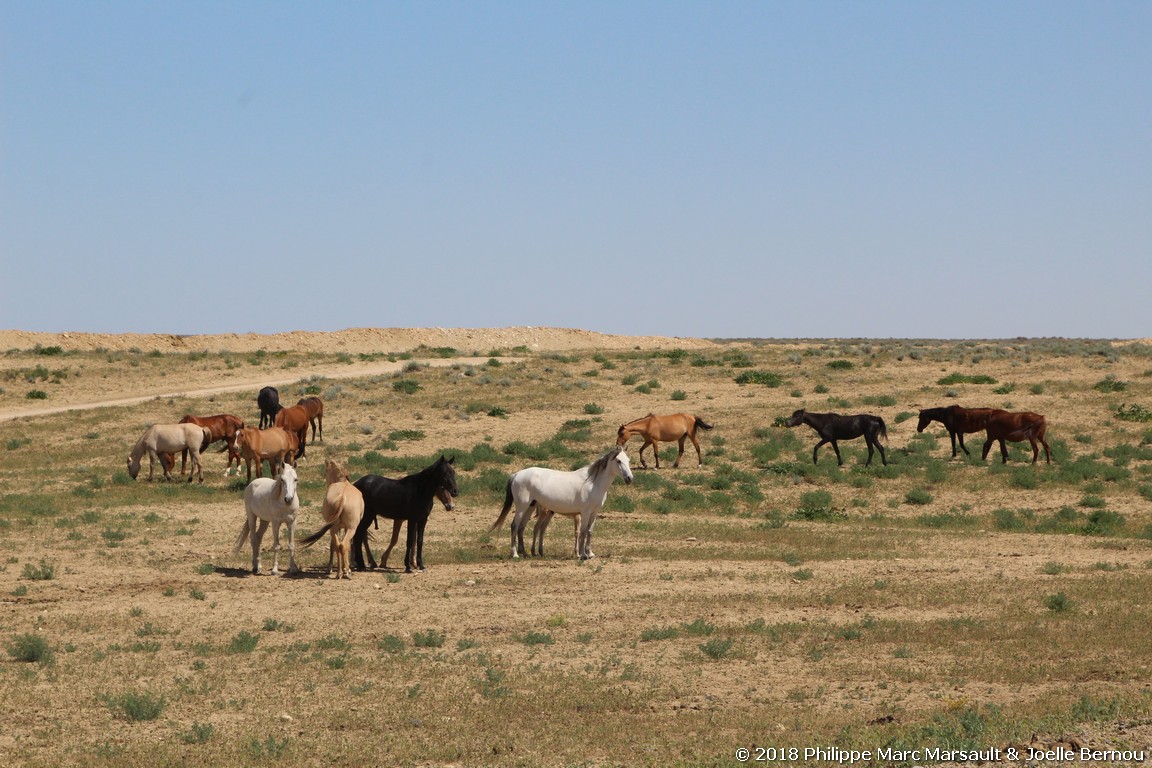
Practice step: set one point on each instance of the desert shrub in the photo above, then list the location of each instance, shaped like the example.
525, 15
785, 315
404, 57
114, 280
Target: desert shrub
841, 365
429, 639
406, 386
136, 706
31, 648
766, 378
1109, 384
1133, 412
964, 378
918, 496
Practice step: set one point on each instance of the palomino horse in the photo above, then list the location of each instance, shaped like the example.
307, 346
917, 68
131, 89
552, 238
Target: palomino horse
272, 444
315, 408
444, 494
581, 492
958, 421
295, 420
409, 498
342, 512
276, 502
834, 426
663, 429
168, 438
1016, 427
268, 401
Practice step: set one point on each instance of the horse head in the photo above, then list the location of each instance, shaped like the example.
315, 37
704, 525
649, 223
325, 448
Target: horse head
133, 466
622, 466
448, 478
288, 478
622, 435
925, 420
796, 419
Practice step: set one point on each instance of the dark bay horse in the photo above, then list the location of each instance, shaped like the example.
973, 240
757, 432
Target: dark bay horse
656, 429
268, 401
222, 426
1016, 427
834, 426
315, 408
295, 420
958, 421
409, 498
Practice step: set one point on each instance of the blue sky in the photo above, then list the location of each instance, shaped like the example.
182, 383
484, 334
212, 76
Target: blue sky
716, 169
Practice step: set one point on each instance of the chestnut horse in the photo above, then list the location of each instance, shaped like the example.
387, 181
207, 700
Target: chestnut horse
222, 426
958, 421
1016, 427
295, 420
656, 429
273, 444
315, 408
834, 426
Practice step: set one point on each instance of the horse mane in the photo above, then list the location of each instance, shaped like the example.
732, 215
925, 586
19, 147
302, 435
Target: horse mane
598, 466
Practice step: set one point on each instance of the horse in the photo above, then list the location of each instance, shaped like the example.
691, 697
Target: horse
580, 491
958, 421
295, 420
834, 426
343, 509
655, 429
409, 498
276, 502
268, 401
1016, 427
273, 444
168, 438
445, 497
222, 426
315, 408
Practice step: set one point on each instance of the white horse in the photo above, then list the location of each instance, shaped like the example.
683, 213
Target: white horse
276, 502
169, 438
580, 492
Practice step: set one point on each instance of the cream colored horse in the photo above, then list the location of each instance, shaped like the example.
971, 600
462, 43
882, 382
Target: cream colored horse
343, 508
168, 438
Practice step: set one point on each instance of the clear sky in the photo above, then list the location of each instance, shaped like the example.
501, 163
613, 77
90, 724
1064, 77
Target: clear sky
716, 169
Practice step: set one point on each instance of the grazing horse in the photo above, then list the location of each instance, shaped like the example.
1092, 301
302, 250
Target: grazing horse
273, 444
834, 426
168, 438
1016, 427
222, 426
315, 408
409, 498
958, 421
580, 492
276, 502
445, 497
268, 401
343, 509
295, 420
656, 429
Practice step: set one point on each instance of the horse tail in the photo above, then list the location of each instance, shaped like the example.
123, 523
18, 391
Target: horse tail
883, 428
507, 506
308, 541
702, 424
240, 539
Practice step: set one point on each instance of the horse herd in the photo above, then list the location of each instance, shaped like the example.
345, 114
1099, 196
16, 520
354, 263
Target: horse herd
351, 509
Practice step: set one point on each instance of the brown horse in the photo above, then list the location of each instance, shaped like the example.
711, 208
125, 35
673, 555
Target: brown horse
273, 444
1016, 427
656, 429
315, 408
222, 426
958, 421
295, 420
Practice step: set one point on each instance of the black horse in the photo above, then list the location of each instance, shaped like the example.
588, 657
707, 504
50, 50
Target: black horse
958, 421
409, 498
268, 401
834, 426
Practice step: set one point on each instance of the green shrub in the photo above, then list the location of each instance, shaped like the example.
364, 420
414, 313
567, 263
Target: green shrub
30, 648
593, 409
536, 638
717, 647
43, 572
1058, 603
841, 365
36, 394
963, 378
918, 496
429, 639
679, 394
135, 706
766, 378
406, 386
1109, 384
1134, 412
244, 642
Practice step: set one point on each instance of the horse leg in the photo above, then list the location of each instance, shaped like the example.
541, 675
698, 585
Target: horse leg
696, 445
960, 437
816, 449
391, 543
644, 464
276, 548
258, 529
1003, 451
836, 448
576, 536
420, 543
676, 463
585, 540
320, 422
952, 437
292, 567
183, 460
333, 544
